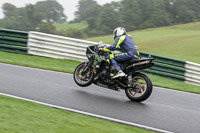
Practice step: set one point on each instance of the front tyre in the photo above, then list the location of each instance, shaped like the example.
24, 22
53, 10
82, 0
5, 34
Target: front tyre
81, 79
142, 88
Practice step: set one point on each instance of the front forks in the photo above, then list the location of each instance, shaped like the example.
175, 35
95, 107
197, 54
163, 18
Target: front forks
85, 69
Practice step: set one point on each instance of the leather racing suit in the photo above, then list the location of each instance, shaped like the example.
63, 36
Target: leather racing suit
129, 51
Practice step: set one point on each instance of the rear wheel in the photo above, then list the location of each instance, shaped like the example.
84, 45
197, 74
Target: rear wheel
81, 79
142, 88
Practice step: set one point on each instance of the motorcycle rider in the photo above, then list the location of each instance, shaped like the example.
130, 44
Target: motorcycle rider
127, 45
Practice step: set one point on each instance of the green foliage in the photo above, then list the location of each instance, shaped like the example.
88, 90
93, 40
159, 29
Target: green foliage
17, 23
46, 27
159, 16
75, 30
83, 5
31, 16
185, 15
136, 14
14, 18
91, 12
108, 19
75, 33
9, 9
49, 11
131, 13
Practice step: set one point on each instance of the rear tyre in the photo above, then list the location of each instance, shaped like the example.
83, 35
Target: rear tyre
83, 80
142, 88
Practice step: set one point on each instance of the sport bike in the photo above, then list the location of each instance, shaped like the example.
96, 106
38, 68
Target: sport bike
98, 70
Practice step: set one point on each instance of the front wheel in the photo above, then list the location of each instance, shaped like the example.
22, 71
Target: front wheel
142, 88
81, 78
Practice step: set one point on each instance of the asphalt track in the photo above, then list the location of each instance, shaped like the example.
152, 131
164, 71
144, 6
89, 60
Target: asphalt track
166, 109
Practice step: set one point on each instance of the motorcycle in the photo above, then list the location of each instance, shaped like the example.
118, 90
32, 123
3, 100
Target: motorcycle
97, 70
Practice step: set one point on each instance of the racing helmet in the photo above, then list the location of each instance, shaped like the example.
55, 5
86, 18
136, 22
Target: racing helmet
119, 31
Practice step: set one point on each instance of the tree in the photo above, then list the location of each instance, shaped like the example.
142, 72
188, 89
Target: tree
160, 16
185, 15
171, 8
29, 17
109, 18
92, 13
146, 9
46, 27
75, 33
17, 23
49, 11
157, 15
15, 18
131, 14
83, 5
9, 10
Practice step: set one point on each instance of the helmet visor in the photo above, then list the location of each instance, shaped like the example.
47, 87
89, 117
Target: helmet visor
115, 34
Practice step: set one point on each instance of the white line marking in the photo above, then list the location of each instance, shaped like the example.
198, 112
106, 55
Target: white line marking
90, 114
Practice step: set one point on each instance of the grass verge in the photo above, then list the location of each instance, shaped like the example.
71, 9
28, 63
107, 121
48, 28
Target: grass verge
61, 65
173, 84
68, 26
179, 41
68, 66
18, 116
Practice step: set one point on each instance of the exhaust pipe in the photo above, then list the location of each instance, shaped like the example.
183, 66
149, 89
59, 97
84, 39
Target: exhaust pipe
138, 64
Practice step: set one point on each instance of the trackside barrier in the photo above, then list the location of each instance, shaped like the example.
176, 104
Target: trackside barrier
13, 41
174, 69
43, 44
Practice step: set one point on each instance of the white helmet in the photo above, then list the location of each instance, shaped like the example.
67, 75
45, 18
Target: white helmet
119, 31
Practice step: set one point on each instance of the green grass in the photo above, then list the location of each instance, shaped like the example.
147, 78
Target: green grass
66, 26
173, 84
18, 116
61, 65
179, 41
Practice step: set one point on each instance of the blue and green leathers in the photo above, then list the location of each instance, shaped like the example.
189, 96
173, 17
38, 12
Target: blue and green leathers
125, 42
129, 51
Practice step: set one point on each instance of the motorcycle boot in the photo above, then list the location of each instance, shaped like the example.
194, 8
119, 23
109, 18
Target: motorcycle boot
120, 73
